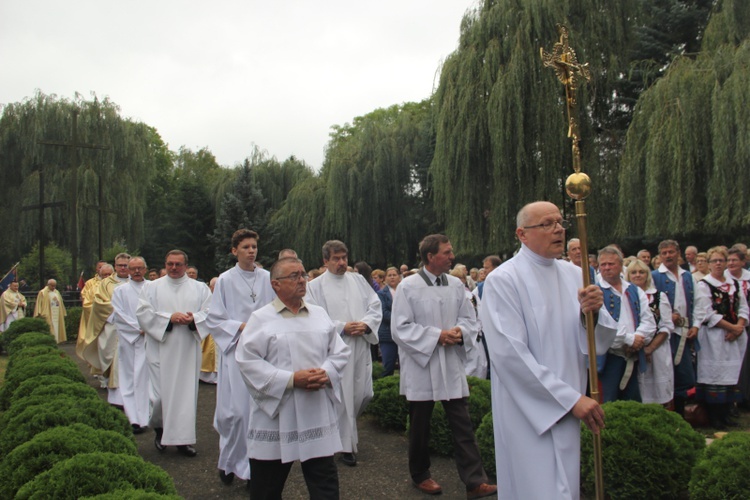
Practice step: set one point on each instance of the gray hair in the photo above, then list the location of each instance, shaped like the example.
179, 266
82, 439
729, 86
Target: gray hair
611, 250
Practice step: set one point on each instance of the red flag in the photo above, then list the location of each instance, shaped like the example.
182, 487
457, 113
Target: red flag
81, 283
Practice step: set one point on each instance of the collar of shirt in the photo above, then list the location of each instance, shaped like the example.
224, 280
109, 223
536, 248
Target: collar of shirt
430, 275
285, 312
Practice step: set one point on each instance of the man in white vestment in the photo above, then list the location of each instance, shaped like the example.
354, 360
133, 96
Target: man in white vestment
636, 327
172, 311
531, 316
50, 306
100, 344
12, 306
291, 357
131, 345
434, 324
356, 311
237, 293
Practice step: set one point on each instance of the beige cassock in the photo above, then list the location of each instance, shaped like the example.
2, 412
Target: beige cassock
12, 307
49, 305
87, 300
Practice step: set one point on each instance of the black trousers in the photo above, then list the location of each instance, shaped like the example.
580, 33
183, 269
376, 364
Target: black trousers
466, 450
269, 477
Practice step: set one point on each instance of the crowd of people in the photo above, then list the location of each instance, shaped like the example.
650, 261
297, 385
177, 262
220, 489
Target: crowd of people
292, 351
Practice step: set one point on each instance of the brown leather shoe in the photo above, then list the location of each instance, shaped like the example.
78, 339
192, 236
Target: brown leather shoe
429, 486
483, 490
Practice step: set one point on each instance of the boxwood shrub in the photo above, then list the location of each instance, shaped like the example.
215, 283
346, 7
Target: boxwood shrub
30, 385
47, 448
486, 442
32, 352
34, 368
29, 339
72, 322
90, 474
390, 409
724, 469
647, 452
60, 412
22, 326
42, 395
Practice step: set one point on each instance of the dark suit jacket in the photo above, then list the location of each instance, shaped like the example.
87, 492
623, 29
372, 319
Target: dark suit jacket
384, 332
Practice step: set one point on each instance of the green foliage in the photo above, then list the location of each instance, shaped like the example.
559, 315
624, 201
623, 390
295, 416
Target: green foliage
62, 411
31, 339
390, 409
638, 434
40, 382
35, 391
54, 445
724, 469
31, 369
72, 322
480, 405
138, 494
91, 474
35, 351
486, 441
57, 265
21, 326
377, 370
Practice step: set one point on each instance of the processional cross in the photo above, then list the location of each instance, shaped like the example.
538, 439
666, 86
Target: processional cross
570, 72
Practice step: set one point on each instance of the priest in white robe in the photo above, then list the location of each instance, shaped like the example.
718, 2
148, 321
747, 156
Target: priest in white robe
291, 358
12, 306
50, 306
172, 311
357, 312
237, 293
531, 315
131, 345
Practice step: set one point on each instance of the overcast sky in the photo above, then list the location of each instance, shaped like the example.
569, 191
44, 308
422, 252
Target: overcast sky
228, 75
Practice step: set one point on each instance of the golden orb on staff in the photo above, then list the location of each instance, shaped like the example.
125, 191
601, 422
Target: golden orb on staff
570, 72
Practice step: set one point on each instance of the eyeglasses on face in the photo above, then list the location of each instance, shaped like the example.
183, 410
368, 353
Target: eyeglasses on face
293, 277
550, 226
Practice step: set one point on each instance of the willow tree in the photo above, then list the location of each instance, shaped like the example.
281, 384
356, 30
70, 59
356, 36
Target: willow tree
684, 170
121, 171
500, 115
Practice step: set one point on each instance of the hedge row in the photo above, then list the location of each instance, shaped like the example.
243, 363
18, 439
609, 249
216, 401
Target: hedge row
58, 438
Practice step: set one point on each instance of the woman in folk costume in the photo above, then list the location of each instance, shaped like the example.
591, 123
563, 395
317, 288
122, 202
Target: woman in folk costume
722, 311
656, 383
12, 306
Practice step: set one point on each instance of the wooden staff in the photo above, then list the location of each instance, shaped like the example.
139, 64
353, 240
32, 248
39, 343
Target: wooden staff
578, 186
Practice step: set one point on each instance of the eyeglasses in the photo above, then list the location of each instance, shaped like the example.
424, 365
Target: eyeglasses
717, 261
550, 226
293, 277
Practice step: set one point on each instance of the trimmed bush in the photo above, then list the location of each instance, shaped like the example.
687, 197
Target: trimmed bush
41, 395
32, 352
441, 438
377, 370
132, 495
60, 412
30, 385
29, 339
486, 442
21, 326
647, 452
54, 445
390, 409
90, 474
33, 368
72, 322
724, 469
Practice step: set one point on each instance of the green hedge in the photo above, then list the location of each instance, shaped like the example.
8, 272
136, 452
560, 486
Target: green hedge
30, 339
90, 474
724, 469
32, 352
31, 385
647, 452
42, 395
54, 445
22, 326
486, 442
390, 409
33, 368
62, 411
72, 322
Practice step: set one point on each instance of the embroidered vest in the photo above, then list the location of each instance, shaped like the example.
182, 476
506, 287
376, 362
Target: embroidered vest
612, 303
654, 306
725, 304
666, 285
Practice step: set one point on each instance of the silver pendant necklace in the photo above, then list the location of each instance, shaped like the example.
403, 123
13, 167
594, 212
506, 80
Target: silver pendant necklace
252, 287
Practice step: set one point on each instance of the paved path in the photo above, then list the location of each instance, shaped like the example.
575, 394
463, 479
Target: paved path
382, 471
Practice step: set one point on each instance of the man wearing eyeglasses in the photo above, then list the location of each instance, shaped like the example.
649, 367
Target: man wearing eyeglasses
292, 359
678, 285
237, 293
172, 311
531, 316
357, 312
100, 345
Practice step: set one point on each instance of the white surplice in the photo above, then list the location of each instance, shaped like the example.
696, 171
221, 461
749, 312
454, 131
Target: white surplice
287, 423
430, 371
537, 344
131, 351
656, 384
174, 356
345, 298
231, 305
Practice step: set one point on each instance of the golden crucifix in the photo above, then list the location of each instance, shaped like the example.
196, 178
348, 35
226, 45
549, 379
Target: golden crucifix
578, 186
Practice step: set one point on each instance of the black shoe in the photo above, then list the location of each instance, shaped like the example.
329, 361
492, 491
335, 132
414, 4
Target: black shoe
137, 429
226, 478
157, 439
349, 459
187, 450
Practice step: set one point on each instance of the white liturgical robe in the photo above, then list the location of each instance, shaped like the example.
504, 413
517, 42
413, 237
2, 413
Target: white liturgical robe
231, 305
537, 343
288, 423
430, 371
173, 356
345, 298
131, 349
